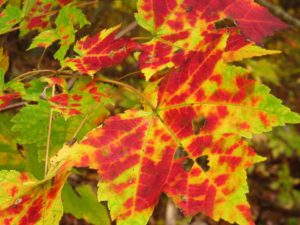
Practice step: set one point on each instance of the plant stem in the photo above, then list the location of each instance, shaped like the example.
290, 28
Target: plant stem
141, 38
73, 139
130, 27
33, 72
130, 88
49, 136
278, 11
41, 58
129, 74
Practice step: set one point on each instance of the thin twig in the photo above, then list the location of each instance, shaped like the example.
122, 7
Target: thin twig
12, 106
49, 136
41, 58
141, 38
278, 11
71, 82
128, 87
130, 27
33, 72
73, 139
129, 74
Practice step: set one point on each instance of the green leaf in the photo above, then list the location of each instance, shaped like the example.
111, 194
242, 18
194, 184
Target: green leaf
10, 157
9, 17
33, 164
31, 125
68, 17
17, 86
4, 63
44, 39
72, 125
82, 203
34, 91
69, 20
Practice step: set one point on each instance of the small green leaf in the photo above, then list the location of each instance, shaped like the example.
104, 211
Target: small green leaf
44, 39
66, 21
17, 86
83, 204
34, 91
9, 17
69, 20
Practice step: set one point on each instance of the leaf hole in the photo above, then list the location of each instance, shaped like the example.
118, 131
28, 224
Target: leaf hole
187, 164
18, 201
178, 51
188, 9
203, 161
180, 153
198, 123
226, 23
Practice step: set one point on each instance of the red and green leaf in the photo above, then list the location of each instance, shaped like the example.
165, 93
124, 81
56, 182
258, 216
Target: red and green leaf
205, 107
179, 28
68, 18
100, 50
255, 21
27, 201
36, 15
6, 99
87, 97
189, 144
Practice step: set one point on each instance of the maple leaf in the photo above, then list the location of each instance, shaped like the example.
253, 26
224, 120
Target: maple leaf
34, 90
9, 17
36, 15
66, 21
180, 27
27, 201
83, 204
87, 97
204, 107
44, 39
6, 99
31, 128
98, 51
255, 21
144, 149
